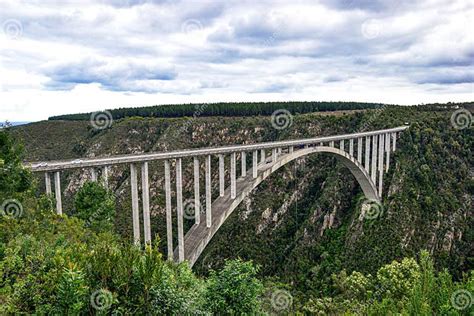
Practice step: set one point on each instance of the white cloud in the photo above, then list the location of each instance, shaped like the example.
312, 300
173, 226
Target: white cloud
58, 57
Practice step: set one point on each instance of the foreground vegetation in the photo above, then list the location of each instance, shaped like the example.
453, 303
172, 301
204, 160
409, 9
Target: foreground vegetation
77, 264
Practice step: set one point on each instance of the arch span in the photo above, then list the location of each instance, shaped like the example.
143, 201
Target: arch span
198, 237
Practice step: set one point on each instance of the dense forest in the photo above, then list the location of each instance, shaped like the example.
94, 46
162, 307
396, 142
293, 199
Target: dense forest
414, 259
226, 109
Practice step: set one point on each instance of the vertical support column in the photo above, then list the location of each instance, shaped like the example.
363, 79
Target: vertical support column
105, 176
290, 149
381, 151
341, 144
57, 192
232, 175
254, 163
274, 155
373, 171
93, 174
221, 175
243, 163
47, 182
135, 207
197, 200
359, 149
169, 217
387, 149
367, 153
146, 203
331, 144
394, 142
279, 151
262, 156
351, 147
208, 192
179, 209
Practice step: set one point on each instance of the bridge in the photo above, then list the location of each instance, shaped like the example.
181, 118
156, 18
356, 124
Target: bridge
366, 155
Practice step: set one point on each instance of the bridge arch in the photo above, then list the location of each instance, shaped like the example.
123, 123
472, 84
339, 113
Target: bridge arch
199, 236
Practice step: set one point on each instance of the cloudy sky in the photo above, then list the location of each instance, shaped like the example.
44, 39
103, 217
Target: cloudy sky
60, 57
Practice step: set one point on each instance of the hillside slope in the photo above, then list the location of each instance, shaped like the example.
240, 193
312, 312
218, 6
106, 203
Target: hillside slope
303, 223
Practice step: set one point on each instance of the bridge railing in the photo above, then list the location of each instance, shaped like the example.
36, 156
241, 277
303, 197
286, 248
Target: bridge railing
370, 150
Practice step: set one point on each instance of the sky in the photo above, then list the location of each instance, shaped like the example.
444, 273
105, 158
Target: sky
60, 57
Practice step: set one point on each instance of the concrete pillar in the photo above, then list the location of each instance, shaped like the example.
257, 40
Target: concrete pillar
105, 176
243, 163
221, 175
291, 149
146, 203
47, 182
93, 174
367, 153
232, 175
57, 193
254, 163
279, 151
387, 149
197, 200
208, 192
169, 217
274, 155
331, 144
179, 209
359, 149
341, 145
373, 171
394, 135
135, 207
351, 147
262, 156
306, 146
381, 151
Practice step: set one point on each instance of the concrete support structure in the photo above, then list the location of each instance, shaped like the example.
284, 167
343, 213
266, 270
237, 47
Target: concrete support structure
290, 149
381, 159
93, 175
254, 163
387, 149
351, 147
341, 145
197, 199
359, 149
146, 203
47, 183
233, 162
179, 209
367, 154
105, 176
221, 175
373, 169
243, 164
394, 141
208, 192
274, 155
262, 156
135, 207
331, 144
57, 192
169, 216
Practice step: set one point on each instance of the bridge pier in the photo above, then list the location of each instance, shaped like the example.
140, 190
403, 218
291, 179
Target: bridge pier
359, 150
381, 159
93, 175
341, 144
135, 210
197, 200
208, 192
221, 175
262, 156
232, 175
367, 153
146, 203
57, 192
387, 148
351, 147
254, 163
169, 216
105, 177
243, 161
373, 170
179, 209
47, 181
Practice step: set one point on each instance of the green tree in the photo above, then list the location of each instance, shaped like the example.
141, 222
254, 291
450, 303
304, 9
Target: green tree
95, 205
235, 290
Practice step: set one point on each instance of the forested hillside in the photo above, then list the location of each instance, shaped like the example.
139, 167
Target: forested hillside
302, 228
